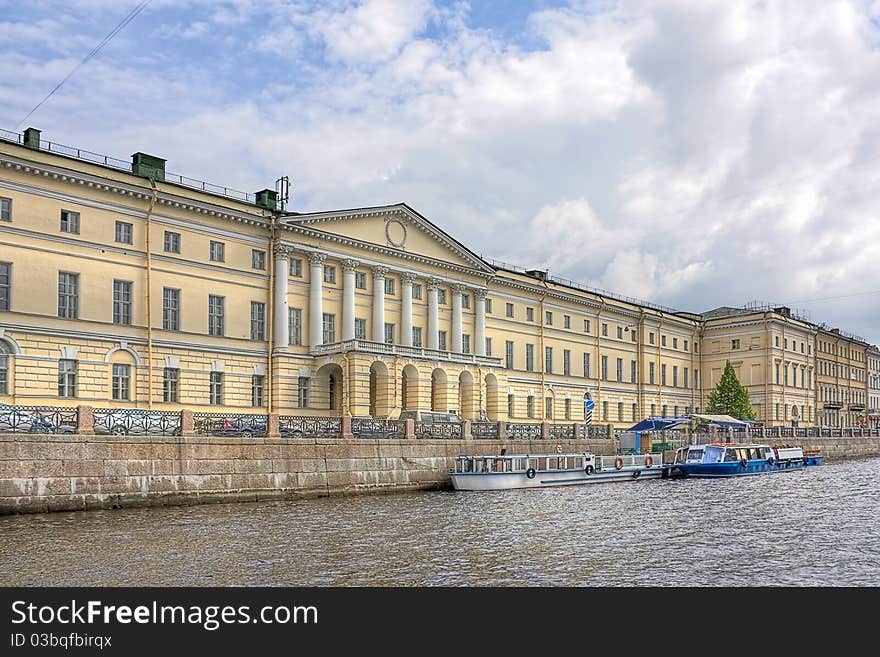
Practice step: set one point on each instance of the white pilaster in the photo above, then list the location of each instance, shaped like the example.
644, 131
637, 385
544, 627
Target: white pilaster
456, 318
406, 314
316, 299
281, 328
379, 304
348, 271
480, 322
433, 316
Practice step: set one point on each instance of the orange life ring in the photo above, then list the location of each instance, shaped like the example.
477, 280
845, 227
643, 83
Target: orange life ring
649, 461
618, 462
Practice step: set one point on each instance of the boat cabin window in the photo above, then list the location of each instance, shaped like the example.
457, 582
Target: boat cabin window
695, 455
713, 455
730, 455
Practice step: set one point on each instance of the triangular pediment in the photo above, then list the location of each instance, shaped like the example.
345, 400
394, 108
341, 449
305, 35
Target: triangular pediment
395, 227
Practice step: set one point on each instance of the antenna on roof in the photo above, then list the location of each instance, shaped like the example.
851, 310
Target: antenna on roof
282, 191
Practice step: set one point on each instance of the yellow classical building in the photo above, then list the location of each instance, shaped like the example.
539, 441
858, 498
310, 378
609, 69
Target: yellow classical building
122, 285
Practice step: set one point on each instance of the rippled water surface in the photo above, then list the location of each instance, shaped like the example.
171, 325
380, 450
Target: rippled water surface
813, 528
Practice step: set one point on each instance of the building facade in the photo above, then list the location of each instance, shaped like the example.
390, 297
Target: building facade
122, 285
841, 366
873, 387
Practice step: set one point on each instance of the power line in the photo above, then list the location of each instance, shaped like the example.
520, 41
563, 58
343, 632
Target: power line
116, 30
841, 296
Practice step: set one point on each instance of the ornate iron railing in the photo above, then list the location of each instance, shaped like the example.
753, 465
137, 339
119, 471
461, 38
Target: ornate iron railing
524, 431
230, 424
136, 421
368, 427
438, 430
561, 432
304, 426
38, 419
593, 431
486, 430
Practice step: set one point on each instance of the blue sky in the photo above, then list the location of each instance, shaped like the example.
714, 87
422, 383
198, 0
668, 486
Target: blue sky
694, 153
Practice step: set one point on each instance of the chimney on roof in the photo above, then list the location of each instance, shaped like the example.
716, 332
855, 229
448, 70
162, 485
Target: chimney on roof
148, 166
32, 138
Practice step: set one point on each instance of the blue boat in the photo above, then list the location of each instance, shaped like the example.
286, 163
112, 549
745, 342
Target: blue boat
739, 459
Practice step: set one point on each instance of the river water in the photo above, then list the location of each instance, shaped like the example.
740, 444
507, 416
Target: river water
813, 528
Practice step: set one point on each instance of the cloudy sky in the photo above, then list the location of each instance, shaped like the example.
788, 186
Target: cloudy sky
693, 153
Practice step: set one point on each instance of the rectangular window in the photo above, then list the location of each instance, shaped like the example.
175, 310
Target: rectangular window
566, 362
5, 285
509, 405
663, 343
465, 343
530, 407
5, 209
170, 309
675, 346
416, 336
653, 410
685, 345
441, 340
417, 291
216, 315
68, 295
218, 251
777, 372
567, 408
548, 318
632, 371
530, 314
294, 325
122, 302
566, 321
258, 320
121, 382
604, 368
586, 366
360, 329
604, 329
69, 221
651, 374
734, 344
675, 377
257, 390
389, 333
619, 411
620, 369
697, 380
170, 385
488, 346
620, 333
258, 259
586, 326
296, 267
389, 286
216, 391
508, 354
466, 301
4, 373
172, 242
632, 336
651, 338
548, 360
328, 325
686, 377
530, 358
604, 410
66, 378
785, 374
548, 408
663, 375
360, 280
508, 310
441, 296
634, 412
329, 274
302, 392
124, 232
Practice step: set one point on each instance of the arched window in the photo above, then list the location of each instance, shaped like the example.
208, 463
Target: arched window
4, 368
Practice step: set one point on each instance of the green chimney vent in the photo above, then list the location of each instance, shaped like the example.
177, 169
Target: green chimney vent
148, 166
267, 199
32, 138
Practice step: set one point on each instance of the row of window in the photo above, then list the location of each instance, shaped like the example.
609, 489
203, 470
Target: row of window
806, 379
840, 370
843, 350
794, 345
841, 395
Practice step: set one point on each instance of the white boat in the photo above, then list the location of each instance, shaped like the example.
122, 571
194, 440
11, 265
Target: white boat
505, 471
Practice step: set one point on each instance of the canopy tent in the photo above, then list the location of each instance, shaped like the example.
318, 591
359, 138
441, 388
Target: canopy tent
659, 423
723, 421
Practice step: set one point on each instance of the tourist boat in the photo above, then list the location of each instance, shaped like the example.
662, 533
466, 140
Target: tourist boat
737, 459
505, 471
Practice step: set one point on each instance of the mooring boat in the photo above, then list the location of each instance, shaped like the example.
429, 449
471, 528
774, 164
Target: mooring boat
504, 471
738, 459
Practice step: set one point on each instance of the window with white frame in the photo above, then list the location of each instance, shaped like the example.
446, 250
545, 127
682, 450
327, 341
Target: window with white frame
121, 384
171, 242
217, 251
122, 302
329, 328
294, 325
124, 232
67, 371
68, 295
216, 389
216, 315
258, 320
69, 221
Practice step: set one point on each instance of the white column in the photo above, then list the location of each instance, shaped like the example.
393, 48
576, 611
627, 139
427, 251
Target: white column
348, 271
456, 318
281, 328
406, 323
316, 299
480, 322
379, 304
433, 316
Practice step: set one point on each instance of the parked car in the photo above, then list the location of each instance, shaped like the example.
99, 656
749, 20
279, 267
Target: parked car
433, 424
137, 421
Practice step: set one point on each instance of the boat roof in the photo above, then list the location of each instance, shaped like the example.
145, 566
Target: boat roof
510, 456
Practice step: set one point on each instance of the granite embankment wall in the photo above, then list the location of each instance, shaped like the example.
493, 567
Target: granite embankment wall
40, 473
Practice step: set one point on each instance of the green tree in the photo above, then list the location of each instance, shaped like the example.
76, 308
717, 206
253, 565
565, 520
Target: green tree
730, 398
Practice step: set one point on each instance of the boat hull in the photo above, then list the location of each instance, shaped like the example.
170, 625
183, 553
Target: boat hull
549, 478
736, 469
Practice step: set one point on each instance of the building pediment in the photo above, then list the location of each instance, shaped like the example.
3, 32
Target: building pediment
395, 227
